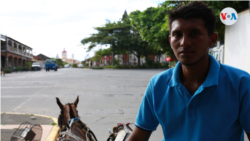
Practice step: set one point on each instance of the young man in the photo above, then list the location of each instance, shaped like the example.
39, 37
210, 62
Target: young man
199, 99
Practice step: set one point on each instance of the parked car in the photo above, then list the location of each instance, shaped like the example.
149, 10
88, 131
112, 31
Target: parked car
81, 66
50, 65
36, 66
66, 66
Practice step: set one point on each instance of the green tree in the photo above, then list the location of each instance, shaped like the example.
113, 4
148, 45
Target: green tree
107, 35
217, 6
105, 52
150, 25
74, 65
121, 37
28, 64
97, 57
59, 62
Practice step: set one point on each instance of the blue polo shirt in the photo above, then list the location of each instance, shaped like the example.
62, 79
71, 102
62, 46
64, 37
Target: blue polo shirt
218, 111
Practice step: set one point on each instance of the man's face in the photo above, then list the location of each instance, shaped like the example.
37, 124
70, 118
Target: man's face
190, 41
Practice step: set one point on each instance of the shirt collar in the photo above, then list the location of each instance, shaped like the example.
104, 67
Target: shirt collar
212, 77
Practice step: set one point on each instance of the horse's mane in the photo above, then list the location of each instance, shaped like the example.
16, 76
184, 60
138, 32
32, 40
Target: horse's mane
71, 110
72, 115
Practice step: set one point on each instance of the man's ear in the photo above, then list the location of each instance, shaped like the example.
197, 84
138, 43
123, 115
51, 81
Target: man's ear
59, 103
76, 101
213, 39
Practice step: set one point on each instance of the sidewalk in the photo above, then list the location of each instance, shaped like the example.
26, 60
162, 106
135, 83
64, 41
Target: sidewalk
11, 121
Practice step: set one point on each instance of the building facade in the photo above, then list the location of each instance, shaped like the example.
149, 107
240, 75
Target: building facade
14, 53
68, 60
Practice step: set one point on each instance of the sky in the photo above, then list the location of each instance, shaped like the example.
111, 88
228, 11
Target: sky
50, 26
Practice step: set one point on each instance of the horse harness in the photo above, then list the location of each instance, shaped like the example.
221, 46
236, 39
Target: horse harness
117, 129
66, 127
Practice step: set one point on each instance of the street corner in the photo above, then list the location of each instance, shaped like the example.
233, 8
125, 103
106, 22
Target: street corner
11, 122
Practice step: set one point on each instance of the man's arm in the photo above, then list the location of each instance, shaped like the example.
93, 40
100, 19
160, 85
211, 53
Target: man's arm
139, 135
248, 135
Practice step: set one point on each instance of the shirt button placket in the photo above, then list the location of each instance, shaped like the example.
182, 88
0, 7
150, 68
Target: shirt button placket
191, 111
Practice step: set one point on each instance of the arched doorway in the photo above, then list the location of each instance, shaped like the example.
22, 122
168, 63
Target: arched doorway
15, 62
24, 63
19, 62
10, 58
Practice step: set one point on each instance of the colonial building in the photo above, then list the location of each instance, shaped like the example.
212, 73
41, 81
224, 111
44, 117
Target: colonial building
14, 53
68, 60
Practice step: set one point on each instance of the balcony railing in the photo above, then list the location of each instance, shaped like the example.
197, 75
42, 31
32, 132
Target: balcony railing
20, 52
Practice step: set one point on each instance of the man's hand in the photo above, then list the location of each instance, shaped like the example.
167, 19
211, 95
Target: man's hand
139, 135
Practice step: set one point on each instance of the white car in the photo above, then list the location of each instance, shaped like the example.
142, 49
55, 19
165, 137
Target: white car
66, 66
36, 66
81, 66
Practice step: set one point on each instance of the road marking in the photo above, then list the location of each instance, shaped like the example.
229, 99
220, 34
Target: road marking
23, 103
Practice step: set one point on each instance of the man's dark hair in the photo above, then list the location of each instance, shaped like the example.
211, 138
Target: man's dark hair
194, 10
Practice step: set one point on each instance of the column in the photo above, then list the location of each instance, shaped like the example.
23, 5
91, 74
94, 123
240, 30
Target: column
17, 48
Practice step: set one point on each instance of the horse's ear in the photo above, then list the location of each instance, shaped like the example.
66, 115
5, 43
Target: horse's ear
76, 102
59, 103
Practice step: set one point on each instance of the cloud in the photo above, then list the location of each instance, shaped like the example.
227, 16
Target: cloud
48, 26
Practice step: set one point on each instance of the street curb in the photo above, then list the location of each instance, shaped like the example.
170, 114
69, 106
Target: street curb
54, 131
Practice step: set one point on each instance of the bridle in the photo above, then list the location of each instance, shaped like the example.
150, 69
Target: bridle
65, 127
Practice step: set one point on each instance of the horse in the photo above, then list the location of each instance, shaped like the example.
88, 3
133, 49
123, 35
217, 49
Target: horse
72, 128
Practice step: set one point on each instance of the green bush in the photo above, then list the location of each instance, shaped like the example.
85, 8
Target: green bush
7, 70
25, 69
116, 62
74, 65
157, 65
53, 123
18, 68
143, 66
97, 67
149, 61
28, 64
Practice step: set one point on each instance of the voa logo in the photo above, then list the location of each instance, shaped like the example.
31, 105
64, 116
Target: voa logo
228, 16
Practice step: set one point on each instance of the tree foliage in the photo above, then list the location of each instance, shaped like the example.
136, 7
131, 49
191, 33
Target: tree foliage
150, 25
153, 22
59, 62
97, 57
217, 7
146, 32
121, 37
109, 34
105, 52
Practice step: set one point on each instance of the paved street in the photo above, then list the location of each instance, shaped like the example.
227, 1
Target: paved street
106, 96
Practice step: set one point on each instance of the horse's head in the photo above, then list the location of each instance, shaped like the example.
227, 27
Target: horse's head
79, 129
68, 111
